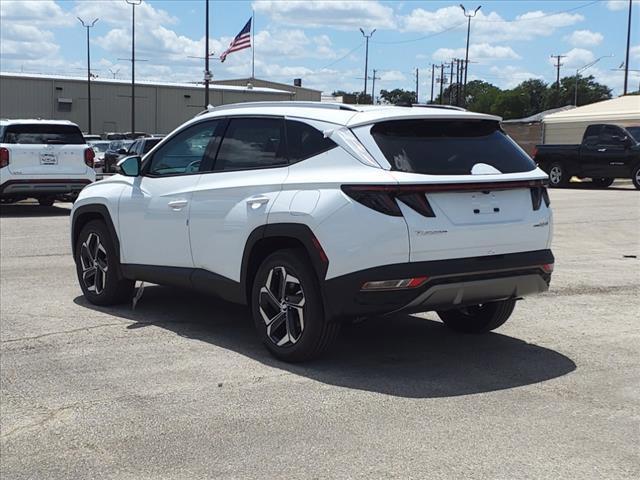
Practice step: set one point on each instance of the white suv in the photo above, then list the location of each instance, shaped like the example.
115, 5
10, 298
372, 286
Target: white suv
43, 159
316, 213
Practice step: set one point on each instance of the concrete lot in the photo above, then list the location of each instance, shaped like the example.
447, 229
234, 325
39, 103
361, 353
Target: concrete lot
181, 388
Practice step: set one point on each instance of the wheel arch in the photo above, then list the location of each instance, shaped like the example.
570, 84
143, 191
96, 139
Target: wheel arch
86, 213
266, 239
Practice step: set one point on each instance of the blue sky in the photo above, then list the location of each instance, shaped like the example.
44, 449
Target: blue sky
320, 42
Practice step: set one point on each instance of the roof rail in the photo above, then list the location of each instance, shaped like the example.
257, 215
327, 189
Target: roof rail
437, 105
284, 103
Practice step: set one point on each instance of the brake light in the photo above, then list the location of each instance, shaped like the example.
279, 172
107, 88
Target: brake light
538, 194
394, 284
4, 157
547, 267
535, 152
382, 198
89, 156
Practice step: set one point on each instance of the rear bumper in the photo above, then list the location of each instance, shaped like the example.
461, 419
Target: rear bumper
37, 187
451, 284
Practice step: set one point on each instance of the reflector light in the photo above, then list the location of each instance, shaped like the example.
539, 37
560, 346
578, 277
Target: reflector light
547, 267
4, 157
394, 284
89, 156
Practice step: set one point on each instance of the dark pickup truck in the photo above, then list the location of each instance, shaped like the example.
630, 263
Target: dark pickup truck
607, 152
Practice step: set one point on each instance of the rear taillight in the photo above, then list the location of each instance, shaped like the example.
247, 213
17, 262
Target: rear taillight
401, 284
382, 198
4, 157
547, 267
538, 194
89, 156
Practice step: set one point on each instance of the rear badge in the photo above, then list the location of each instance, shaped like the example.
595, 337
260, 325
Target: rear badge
423, 233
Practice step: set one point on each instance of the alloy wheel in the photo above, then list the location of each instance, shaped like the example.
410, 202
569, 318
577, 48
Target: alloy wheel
93, 259
282, 307
555, 175
638, 176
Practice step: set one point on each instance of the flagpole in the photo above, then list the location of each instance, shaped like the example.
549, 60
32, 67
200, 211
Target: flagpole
253, 44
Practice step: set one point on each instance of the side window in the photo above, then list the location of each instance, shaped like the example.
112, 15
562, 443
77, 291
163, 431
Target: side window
184, 152
252, 143
611, 135
133, 148
591, 135
305, 141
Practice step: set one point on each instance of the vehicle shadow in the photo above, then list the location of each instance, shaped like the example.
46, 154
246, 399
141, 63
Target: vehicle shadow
33, 210
586, 185
404, 356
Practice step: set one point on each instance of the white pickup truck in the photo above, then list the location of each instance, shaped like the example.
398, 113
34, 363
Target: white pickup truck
43, 159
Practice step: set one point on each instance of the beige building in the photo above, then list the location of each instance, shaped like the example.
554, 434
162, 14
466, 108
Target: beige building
300, 93
160, 107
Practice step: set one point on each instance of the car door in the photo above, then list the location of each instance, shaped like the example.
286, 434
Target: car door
608, 157
153, 211
236, 195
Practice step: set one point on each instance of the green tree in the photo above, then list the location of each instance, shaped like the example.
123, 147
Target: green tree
534, 92
398, 95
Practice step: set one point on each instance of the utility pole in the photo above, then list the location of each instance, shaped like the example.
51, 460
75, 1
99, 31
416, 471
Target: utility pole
626, 63
417, 84
469, 16
451, 85
133, 4
441, 81
88, 26
457, 60
366, 59
558, 65
433, 78
373, 86
207, 73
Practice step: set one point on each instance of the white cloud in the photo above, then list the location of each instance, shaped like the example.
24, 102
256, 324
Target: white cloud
392, 76
634, 52
488, 27
616, 5
510, 76
477, 52
585, 38
115, 12
342, 15
39, 13
575, 58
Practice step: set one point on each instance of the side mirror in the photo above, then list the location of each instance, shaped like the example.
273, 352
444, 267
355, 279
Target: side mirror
122, 151
129, 166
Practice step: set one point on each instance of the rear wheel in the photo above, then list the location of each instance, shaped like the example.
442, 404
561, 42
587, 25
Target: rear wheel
478, 318
603, 182
287, 308
558, 176
46, 201
635, 177
98, 267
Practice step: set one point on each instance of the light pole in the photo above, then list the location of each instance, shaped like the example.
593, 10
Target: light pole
366, 58
626, 63
582, 69
469, 16
88, 26
133, 4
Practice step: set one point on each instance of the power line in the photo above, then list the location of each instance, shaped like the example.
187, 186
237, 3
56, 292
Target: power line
559, 12
421, 38
343, 57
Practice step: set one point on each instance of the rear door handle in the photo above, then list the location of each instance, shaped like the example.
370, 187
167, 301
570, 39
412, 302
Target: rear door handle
256, 202
602, 149
177, 205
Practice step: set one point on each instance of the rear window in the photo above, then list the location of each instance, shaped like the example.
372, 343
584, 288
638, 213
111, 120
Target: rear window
43, 134
149, 144
450, 147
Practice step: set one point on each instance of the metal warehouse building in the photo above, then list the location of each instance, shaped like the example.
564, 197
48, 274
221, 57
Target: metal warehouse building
160, 107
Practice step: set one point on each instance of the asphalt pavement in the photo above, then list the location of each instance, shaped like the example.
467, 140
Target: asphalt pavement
180, 387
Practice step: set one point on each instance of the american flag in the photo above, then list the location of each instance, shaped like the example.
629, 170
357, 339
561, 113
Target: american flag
242, 41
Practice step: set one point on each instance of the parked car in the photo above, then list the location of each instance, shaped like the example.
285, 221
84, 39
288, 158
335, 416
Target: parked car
90, 138
143, 145
315, 213
43, 159
116, 150
607, 152
100, 148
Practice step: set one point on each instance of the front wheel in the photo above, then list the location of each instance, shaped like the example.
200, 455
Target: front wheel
558, 176
98, 267
602, 182
287, 308
478, 318
635, 177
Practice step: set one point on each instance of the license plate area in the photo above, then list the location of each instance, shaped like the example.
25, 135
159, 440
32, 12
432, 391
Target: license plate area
484, 203
48, 159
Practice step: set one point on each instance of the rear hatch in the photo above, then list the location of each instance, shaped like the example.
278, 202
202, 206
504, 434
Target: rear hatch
465, 188
45, 149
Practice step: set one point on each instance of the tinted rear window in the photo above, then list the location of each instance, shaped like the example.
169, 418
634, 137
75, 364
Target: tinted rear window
635, 133
450, 147
305, 141
42, 134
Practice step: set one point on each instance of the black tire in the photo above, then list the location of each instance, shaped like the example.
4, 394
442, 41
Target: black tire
277, 314
46, 201
602, 182
558, 176
635, 176
479, 318
109, 288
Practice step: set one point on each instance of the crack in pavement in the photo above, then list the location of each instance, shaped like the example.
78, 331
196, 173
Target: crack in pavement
75, 330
